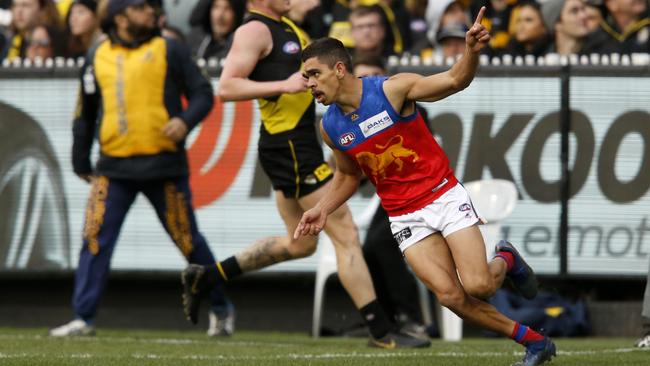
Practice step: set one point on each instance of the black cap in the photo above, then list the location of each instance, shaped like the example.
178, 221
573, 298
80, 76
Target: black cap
453, 30
90, 4
117, 6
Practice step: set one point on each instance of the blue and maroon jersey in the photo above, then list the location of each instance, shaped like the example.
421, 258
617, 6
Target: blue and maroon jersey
398, 154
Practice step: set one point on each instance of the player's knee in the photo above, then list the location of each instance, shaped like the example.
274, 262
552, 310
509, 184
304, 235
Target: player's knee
452, 298
480, 287
303, 247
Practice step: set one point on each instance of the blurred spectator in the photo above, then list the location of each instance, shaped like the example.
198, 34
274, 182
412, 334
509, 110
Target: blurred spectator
451, 40
300, 9
159, 12
26, 15
341, 27
394, 284
369, 31
442, 12
216, 21
567, 22
625, 29
318, 20
531, 36
44, 42
417, 24
499, 20
82, 27
169, 31
594, 14
63, 7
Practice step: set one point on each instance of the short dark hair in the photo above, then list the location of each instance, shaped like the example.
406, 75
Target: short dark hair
329, 51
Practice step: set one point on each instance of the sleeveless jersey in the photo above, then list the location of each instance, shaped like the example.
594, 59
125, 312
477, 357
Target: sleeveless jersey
398, 154
282, 112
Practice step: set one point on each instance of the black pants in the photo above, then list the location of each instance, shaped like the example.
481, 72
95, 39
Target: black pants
394, 283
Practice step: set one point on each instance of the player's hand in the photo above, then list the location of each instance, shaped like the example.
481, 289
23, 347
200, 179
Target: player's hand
477, 37
175, 129
311, 223
295, 83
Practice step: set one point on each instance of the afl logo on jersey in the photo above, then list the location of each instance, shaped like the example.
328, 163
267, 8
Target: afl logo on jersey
291, 47
346, 139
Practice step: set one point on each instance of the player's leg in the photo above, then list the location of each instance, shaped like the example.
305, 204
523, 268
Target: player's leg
109, 201
275, 249
352, 268
172, 200
432, 261
479, 278
456, 219
355, 277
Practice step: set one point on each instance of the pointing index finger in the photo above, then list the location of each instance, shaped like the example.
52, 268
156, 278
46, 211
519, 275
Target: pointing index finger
479, 17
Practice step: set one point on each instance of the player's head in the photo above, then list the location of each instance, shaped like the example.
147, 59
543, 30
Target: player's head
325, 63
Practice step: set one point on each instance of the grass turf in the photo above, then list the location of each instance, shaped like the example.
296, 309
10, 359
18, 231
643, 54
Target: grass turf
121, 347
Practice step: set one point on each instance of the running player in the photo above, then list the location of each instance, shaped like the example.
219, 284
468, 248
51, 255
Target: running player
373, 127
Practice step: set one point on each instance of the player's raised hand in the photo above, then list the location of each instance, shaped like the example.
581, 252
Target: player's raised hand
477, 36
311, 223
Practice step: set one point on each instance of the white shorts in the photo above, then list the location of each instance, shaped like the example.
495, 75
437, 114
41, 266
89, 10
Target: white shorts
449, 213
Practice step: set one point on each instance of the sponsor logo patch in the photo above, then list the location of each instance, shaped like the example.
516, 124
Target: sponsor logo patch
346, 139
375, 124
354, 116
291, 47
402, 235
464, 207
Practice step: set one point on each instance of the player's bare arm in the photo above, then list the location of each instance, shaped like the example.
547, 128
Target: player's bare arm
343, 186
414, 87
252, 42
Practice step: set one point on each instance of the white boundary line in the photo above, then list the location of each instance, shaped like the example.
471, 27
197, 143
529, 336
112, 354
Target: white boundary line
307, 356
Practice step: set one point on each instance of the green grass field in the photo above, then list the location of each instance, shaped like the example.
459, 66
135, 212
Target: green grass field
113, 347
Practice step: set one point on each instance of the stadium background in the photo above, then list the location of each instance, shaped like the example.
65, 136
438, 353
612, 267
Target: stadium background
507, 124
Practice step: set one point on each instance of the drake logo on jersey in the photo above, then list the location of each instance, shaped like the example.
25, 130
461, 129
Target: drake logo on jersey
376, 123
291, 47
346, 139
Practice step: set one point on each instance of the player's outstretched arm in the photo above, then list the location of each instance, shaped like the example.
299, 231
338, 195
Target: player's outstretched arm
343, 186
413, 87
252, 42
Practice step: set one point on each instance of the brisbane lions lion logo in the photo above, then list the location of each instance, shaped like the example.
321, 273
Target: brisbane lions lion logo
392, 152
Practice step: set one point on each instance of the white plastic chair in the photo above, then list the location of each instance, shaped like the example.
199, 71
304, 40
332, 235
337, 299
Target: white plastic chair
327, 263
494, 200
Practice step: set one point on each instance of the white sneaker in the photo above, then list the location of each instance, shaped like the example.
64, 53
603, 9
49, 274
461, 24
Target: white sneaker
223, 326
644, 342
76, 328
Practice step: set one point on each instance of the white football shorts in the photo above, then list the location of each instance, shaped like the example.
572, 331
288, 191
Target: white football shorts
451, 212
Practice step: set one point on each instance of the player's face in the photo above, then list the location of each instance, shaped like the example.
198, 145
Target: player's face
321, 80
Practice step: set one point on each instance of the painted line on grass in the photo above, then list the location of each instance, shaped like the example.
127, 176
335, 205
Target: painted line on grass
299, 356
175, 341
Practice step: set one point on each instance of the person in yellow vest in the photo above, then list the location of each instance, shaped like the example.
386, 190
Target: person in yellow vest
131, 88
264, 64
25, 16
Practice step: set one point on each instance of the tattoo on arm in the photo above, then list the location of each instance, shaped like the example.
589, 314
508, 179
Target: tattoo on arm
263, 253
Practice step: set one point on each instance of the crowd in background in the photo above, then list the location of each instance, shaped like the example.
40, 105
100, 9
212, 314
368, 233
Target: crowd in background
428, 28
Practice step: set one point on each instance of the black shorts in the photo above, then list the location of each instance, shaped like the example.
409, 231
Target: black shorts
294, 162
